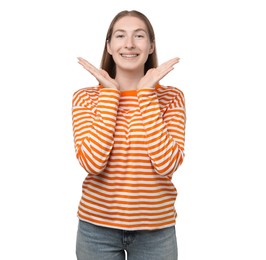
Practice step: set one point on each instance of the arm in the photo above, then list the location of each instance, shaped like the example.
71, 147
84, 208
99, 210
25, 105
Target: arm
165, 133
93, 126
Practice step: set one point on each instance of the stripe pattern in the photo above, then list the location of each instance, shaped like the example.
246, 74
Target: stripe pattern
130, 144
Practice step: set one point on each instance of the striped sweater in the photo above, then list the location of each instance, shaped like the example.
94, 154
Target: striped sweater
130, 143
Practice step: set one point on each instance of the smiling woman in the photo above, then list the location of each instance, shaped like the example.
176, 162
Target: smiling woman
130, 47
129, 136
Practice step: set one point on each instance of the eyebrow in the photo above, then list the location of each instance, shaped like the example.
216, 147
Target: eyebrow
137, 30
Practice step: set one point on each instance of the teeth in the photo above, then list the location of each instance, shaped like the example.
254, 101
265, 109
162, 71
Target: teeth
129, 55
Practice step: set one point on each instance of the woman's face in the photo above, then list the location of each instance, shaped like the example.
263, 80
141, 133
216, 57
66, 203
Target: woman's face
130, 44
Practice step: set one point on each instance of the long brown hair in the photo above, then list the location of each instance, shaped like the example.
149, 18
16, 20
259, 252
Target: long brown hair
108, 63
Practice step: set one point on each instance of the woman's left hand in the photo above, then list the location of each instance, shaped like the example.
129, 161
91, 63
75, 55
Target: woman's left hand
153, 76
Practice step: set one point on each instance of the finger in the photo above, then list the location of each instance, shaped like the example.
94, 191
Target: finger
167, 66
175, 60
81, 60
171, 62
164, 72
88, 66
84, 62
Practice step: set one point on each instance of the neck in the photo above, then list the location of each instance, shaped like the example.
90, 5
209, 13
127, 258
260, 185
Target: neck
128, 80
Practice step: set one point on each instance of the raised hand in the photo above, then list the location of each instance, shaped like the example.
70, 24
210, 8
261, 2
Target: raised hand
153, 76
101, 75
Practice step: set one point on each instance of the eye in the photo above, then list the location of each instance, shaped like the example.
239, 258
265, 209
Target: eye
119, 36
139, 36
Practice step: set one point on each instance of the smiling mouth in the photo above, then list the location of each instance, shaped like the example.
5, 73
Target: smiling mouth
129, 55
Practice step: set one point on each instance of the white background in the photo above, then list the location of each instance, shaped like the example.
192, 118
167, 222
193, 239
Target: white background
221, 202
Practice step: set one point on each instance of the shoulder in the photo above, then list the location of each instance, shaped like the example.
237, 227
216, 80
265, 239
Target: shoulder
168, 94
88, 91
86, 94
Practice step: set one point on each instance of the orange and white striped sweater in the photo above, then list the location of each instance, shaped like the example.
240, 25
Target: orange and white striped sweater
130, 143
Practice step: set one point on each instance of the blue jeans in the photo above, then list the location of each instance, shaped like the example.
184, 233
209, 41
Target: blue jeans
101, 243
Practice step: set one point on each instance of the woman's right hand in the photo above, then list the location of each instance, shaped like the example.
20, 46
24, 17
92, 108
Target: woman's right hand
101, 75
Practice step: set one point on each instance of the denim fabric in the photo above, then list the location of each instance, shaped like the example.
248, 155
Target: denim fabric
101, 243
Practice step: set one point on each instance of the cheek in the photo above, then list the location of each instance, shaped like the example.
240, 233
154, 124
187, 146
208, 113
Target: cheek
145, 46
114, 47
148, 50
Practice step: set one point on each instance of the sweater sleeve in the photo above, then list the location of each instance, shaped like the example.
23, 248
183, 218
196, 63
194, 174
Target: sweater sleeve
94, 120
165, 130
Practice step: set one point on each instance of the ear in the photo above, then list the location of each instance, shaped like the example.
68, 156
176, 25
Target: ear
108, 47
152, 47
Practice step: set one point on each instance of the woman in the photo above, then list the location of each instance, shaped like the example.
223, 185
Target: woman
129, 136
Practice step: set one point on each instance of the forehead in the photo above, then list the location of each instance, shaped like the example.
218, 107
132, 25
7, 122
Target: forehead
129, 23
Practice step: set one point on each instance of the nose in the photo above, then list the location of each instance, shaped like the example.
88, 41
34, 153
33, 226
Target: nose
129, 43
